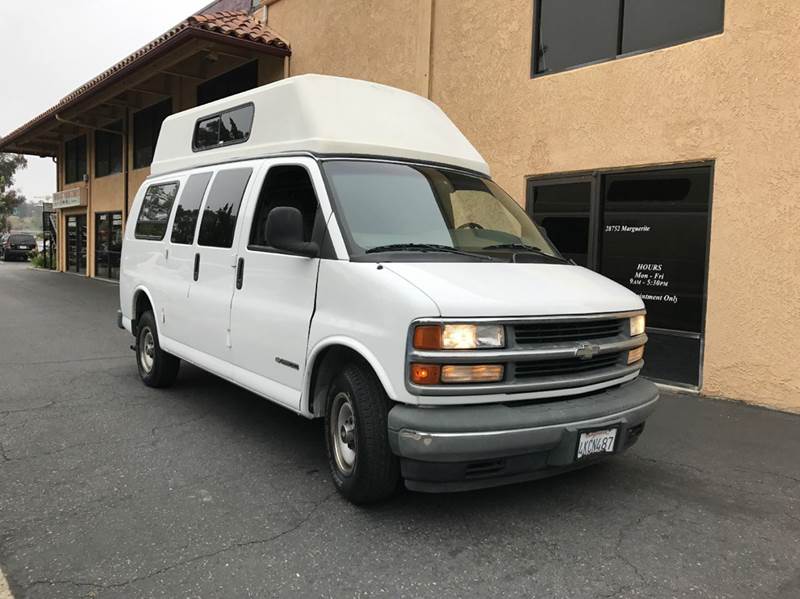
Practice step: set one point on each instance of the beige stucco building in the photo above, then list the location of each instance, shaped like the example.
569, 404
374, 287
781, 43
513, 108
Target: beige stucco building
670, 139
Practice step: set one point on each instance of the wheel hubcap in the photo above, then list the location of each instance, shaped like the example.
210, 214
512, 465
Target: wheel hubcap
343, 433
147, 350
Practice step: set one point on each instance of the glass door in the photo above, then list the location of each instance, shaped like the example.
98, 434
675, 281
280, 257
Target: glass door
649, 231
76, 243
107, 244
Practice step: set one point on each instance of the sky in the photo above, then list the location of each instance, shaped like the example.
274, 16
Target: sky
50, 47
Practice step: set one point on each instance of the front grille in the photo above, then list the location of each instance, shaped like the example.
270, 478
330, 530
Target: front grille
565, 366
558, 332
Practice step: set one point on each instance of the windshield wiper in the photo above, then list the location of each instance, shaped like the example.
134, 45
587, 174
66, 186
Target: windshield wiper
424, 247
522, 247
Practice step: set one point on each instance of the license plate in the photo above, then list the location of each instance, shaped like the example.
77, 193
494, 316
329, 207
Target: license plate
596, 443
23, 247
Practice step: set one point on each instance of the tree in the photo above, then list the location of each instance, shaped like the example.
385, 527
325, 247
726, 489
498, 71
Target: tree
10, 198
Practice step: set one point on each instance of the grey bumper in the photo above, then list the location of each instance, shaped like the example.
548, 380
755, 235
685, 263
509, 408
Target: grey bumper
468, 433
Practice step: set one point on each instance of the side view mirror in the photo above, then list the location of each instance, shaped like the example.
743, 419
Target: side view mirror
285, 232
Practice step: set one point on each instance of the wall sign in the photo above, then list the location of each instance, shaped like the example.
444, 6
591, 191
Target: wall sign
70, 198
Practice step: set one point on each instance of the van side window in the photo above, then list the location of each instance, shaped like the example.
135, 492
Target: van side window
155, 211
189, 208
229, 127
285, 186
222, 207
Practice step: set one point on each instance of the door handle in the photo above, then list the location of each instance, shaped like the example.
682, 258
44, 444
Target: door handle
239, 273
196, 265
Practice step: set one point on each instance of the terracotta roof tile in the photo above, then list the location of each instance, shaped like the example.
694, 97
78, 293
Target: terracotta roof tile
238, 24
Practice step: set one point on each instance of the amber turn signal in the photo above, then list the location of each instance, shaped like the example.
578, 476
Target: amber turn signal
428, 336
425, 374
636, 354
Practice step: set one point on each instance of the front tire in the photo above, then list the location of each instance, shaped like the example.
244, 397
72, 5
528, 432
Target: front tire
157, 368
362, 464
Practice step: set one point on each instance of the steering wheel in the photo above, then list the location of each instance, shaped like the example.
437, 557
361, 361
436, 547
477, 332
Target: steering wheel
469, 225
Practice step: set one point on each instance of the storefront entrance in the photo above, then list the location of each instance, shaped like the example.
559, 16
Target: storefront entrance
107, 244
647, 230
76, 244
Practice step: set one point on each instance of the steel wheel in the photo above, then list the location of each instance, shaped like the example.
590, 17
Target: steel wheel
343, 433
147, 349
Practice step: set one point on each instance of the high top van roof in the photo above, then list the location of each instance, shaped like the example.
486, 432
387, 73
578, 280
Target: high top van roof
323, 115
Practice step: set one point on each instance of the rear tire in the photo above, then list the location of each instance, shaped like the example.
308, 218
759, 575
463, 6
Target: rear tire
157, 368
362, 464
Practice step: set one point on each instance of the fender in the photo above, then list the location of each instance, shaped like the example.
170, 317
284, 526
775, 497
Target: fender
144, 290
357, 347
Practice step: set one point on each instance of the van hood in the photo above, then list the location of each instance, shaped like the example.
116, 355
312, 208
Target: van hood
499, 290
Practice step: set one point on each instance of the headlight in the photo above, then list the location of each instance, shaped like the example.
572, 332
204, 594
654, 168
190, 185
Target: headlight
637, 325
459, 336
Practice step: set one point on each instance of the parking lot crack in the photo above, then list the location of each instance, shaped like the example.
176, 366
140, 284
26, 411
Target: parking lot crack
202, 556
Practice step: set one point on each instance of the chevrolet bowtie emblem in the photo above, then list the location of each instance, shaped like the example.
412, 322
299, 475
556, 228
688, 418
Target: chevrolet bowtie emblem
587, 351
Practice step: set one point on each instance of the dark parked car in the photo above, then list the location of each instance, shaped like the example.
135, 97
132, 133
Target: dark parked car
17, 245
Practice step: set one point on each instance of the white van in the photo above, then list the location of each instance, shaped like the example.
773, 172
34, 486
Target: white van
339, 248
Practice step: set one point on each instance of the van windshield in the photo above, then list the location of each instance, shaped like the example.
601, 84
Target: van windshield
387, 208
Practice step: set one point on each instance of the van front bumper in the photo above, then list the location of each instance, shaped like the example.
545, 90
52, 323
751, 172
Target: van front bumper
468, 447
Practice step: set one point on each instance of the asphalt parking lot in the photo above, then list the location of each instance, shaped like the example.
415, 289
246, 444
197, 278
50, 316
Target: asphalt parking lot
111, 489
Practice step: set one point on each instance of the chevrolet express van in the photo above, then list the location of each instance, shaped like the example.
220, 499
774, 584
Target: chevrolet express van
339, 248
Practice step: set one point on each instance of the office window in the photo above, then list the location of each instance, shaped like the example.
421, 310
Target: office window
571, 33
229, 127
656, 23
563, 210
75, 159
222, 207
575, 32
155, 211
233, 82
108, 151
188, 209
146, 127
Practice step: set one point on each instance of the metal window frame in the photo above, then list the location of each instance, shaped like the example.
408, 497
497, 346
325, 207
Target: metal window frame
595, 222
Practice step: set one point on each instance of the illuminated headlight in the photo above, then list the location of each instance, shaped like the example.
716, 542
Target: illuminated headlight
459, 336
472, 336
637, 325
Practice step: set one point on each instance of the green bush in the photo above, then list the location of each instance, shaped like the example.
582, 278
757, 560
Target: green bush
38, 259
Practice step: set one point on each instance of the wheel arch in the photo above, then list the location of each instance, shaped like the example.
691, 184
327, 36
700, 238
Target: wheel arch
325, 360
142, 299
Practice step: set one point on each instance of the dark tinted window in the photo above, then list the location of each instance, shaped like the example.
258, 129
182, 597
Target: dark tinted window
231, 126
654, 241
75, 159
189, 208
238, 80
570, 33
655, 23
285, 186
563, 209
21, 239
575, 32
222, 207
156, 208
146, 127
108, 151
